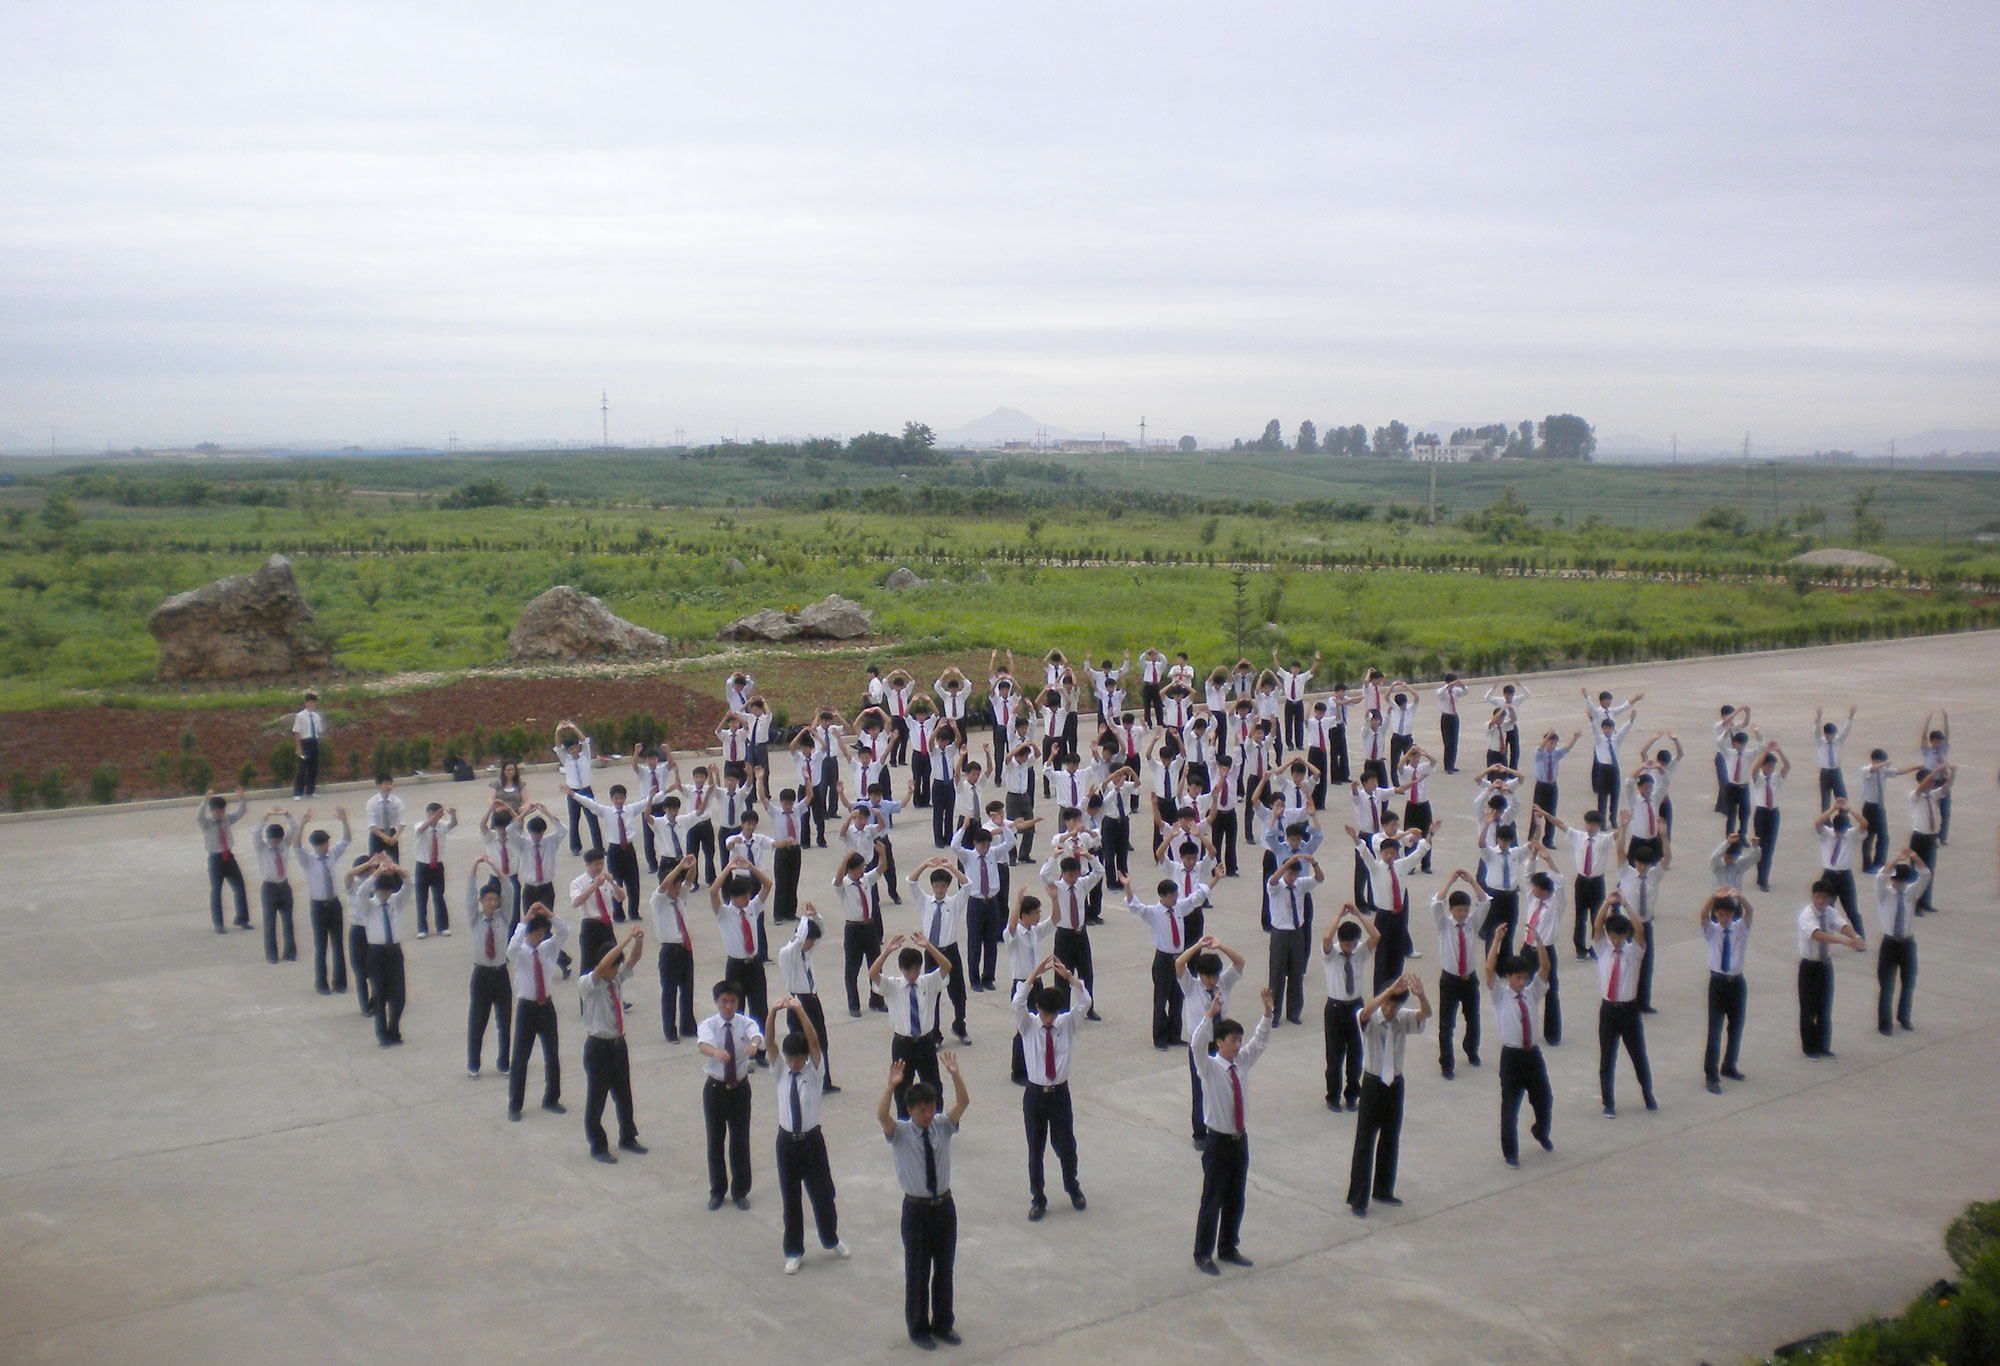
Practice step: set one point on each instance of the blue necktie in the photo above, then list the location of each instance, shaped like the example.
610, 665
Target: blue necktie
916, 1018
1725, 948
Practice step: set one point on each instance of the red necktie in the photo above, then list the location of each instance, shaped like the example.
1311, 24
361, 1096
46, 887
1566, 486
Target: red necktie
281, 865
434, 847
1611, 992
222, 832
680, 924
1527, 1033
504, 869
728, 1055
1073, 921
1589, 843
602, 914
1049, 1052
621, 826
1236, 1096
490, 945
1461, 948
617, 1007
538, 861
1174, 926
541, 981
985, 886
749, 941
1395, 890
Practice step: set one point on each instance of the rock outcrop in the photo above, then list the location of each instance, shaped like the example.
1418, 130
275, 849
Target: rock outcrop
900, 579
1833, 557
833, 618
568, 623
244, 626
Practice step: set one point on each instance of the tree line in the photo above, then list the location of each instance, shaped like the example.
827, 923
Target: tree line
1559, 436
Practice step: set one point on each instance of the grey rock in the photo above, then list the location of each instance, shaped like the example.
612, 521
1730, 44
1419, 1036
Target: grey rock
567, 623
834, 618
244, 626
900, 579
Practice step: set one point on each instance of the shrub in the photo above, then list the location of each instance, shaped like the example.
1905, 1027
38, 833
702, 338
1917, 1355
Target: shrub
51, 791
196, 773
1972, 1233
419, 754
284, 762
20, 790
104, 784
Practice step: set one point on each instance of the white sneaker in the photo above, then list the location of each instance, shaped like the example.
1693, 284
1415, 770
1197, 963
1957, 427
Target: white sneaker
842, 1250
445, 933
792, 1265
423, 934
472, 1072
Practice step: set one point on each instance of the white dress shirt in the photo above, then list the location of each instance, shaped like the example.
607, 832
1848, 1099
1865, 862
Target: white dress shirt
739, 1037
899, 991
1459, 949
1038, 1039
737, 926
522, 958
1730, 962
1518, 1013
1382, 1040
603, 1007
1219, 1097
1347, 971
798, 1104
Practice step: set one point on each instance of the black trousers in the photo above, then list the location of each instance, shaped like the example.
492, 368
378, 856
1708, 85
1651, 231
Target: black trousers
785, 865
1045, 1112
1225, 1168
701, 844
607, 1067
1832, 783
803, 1171
809, 1001
985, 919
1072, 950
326, 922
930, 1246
1222, 831
1166, 1000
1735, 809
1726, 997
954, 988
748, 973
1115, 841
305, 778
385, 988
1843, 892
726, 1111
224, 868
1552, 1011
944, 802
1294, 724
919, 1056
1393, 948
1343, 1051
578, 814
1448, 733
622, 862
1604, 786
1896, 958
593, 937
1874, 838
1586, 895
1925, 847
534, 1020
1522, 1072
1618, 1022
861, 942
1289, 951
1018, 807
430, 889
1546, 796
1764, 825
1815, 1006
492, 995
1336, 754
1457, 994
357, 955
1501, 918
1378, 1138
277, 898
677, 990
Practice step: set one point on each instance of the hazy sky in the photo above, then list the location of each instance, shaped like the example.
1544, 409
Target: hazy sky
390, 222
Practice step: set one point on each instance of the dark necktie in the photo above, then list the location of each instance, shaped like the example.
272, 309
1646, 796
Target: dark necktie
916, 1014
937, 922
1347, 964
1049, 1052
798, 1115
1725, 949
728, 1054
388, 927
930, 1162
1902, 927
491, 945
1235, 1097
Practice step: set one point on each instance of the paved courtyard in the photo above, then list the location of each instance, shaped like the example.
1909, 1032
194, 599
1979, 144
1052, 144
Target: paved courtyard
203, 1160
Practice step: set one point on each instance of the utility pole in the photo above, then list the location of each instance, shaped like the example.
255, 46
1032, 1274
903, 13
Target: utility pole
1433, 521
1142, 433
604, 406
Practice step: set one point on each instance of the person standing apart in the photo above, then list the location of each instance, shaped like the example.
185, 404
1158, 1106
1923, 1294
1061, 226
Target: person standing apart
1449, 696
607, 1062
728, 1040
802, 1166
1225, 1154
1385, 1023
307, 726
217, 822
921, 1143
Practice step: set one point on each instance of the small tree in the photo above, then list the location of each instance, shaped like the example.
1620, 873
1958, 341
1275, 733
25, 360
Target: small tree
1308, 442
52, 791
1238, 622
1867, 526
1273, 438
1188, 443
104, 784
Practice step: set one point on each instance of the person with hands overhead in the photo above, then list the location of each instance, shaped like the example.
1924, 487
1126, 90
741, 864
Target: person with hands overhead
737, 899
323, 898
1349, 980
912, 996
1385, 1023
1225, 1154
921, 1143
1459, 916
531, 960
1724, 919
490, 996
607, 1062
1899, 887
1045, 1020
1613, 935
576, 756
1821, 926
1166, 924
802, 1165
1516, 983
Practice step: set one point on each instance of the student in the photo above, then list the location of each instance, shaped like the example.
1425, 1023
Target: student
1289, 916
1026, 933
1508, 698
669, 906
729, 1042
503, 843
802, 1166
1766, 777
1610, 734
652, 770
1612, 936
980, 856
795, 967
357, 934
607, 1062
1734, 759
1874, 809
1639, 892
938, 913
1592, 850
430, 832
216, 821
861, 928
1045, 1020
531, 961
598, 900
323, 899
385, 818
1838, 844
1292, 684
307, 727
1827, 740
1929, 805
1642, 824
921, 1143
1449, 696
1225, 1154
912, 997
623, 823
1166, 925
1730, 860
275, 886
1933, 753
1391, 858
534, 857
1516, 984
1503, 867
489, 995
1819, 931
1348, 982
1725, 923
1898, 887
1414, 777
1460, 916
1073, 880
1385, 1023
381, 897
737, 899
788, 836
576, 756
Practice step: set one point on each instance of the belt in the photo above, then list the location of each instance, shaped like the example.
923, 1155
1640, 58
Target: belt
1050, 1090
1725, 976
726, 1085
944, 1199
796, 1137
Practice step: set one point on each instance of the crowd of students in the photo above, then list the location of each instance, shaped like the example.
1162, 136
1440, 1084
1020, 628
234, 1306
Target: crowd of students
1141, 779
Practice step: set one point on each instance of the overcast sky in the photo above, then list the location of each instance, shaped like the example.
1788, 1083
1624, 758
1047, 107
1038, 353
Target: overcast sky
392, 222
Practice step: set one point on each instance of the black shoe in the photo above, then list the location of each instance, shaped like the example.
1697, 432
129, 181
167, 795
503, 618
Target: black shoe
1036, 1210
1334, 1106
1387, 1200
1905, 1024
715, 1202
1234, 1258
1513, 1161
1093, 1015
742, 1202
829, 1090
502, 1068
1885, 1031
1472, 1058
1652, 1104
925, 1341
601, 1156
1206, 1266
555, 1107
948, 1336
1449, 1075
1714, 1087
1648, 1010
1076, 1200
854, 1012
632, 1145
1360, 1211
964, 1039
1733, 1074
324, 991
514, 1115
673, 1038
1611, 1112
385, 1043
1543, 1139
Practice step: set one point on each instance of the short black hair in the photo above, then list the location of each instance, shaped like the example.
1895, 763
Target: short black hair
920, 1093
910, 958
1226, 1028
1348, 932
1617, 924
1206, 964
1054, 1000
593, 855
728, 986
795, 1046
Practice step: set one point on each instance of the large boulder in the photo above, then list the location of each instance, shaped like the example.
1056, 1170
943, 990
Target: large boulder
244, 626
568, 623
899, 579
834, 618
